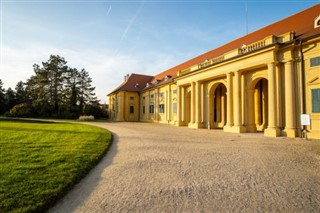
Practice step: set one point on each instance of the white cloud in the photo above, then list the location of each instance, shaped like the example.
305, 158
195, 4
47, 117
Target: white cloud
105, 69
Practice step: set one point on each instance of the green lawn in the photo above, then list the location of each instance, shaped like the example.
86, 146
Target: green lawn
41, 161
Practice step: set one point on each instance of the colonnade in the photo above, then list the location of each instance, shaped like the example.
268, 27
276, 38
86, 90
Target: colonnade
242, 113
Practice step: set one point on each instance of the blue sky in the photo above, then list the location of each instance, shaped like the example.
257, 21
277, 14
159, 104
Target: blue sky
113, 38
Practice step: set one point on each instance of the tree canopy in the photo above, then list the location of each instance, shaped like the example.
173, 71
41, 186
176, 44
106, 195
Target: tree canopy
54, 90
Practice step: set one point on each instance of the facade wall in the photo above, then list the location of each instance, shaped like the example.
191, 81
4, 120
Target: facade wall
312, 50
159, 104
260, 90
124, 106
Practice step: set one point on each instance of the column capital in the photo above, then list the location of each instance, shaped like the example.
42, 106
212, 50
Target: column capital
229, 72
288, 61
272, 63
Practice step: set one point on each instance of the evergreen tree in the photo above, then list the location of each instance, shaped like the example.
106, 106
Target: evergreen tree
86, 90
21, 94
55, 70
54, 90
37, 90
2, 98
72, 91
10, 99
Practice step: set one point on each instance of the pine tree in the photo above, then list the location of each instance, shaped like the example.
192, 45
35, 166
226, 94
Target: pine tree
2, 98
72, 90
86, 92
21, 94
10, 99
55, 70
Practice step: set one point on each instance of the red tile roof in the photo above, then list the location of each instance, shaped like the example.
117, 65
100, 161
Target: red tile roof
134, 83
301, 23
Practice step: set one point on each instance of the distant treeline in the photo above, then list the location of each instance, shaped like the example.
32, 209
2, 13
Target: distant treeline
54, 91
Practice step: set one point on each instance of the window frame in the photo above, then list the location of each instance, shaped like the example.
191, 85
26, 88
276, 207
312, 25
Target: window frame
161, 108
131, 109
315, 61
315, 104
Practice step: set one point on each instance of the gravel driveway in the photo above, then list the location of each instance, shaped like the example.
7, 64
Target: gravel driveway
162, 168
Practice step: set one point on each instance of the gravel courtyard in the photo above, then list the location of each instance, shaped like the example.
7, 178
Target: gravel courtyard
162, 168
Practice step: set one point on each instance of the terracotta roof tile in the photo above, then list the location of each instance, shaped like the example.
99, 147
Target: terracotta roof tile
134, 83
301, 23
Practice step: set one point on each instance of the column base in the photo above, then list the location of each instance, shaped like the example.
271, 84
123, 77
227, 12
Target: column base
251, 128
272, 132
291, 132
195, 125
239, 129
234, 129
180, 123
227, 128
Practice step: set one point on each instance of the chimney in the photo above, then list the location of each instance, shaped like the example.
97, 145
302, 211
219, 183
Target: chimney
126, 77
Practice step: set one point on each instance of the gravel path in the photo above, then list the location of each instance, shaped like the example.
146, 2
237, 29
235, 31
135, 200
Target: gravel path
162, 168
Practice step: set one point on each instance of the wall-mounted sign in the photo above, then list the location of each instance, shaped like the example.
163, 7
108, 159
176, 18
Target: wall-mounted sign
305, 119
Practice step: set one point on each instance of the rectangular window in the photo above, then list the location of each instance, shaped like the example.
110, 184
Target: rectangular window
131, 109
161, 108
174, 91
174, 107
131, 98
151, 96
315, 61
143, 109
161, 95
151, 109
315, 93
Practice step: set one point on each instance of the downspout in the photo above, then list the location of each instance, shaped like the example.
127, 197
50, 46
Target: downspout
303, 84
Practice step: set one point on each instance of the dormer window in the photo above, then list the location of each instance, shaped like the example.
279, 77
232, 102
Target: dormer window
167, 77
317, 22
136, 86
148, 85
157, 81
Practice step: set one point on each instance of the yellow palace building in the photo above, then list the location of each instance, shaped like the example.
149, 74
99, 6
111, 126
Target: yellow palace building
267, 81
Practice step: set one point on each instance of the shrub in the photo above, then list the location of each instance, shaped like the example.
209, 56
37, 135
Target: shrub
86, 118
95, 110
21, 110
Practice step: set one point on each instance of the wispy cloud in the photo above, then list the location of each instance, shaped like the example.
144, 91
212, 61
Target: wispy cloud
109, 10
107, 70
130, 23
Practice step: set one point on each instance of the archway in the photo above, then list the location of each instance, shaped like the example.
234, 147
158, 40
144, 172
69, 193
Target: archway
258, 108
218, 106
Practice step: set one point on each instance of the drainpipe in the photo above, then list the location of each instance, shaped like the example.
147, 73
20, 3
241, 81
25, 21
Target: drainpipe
303, 84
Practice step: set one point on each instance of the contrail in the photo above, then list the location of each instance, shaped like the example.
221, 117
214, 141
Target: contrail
132, 20
109, 10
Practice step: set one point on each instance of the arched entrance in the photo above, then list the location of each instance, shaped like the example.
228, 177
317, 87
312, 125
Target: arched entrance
218, 106
258, 107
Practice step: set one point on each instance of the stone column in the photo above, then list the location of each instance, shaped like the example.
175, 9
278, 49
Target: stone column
202, 104
179, 106
223, 106
273, 129
228, 126
237, 104
192, 107
290, 104
252, 111
197, 104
